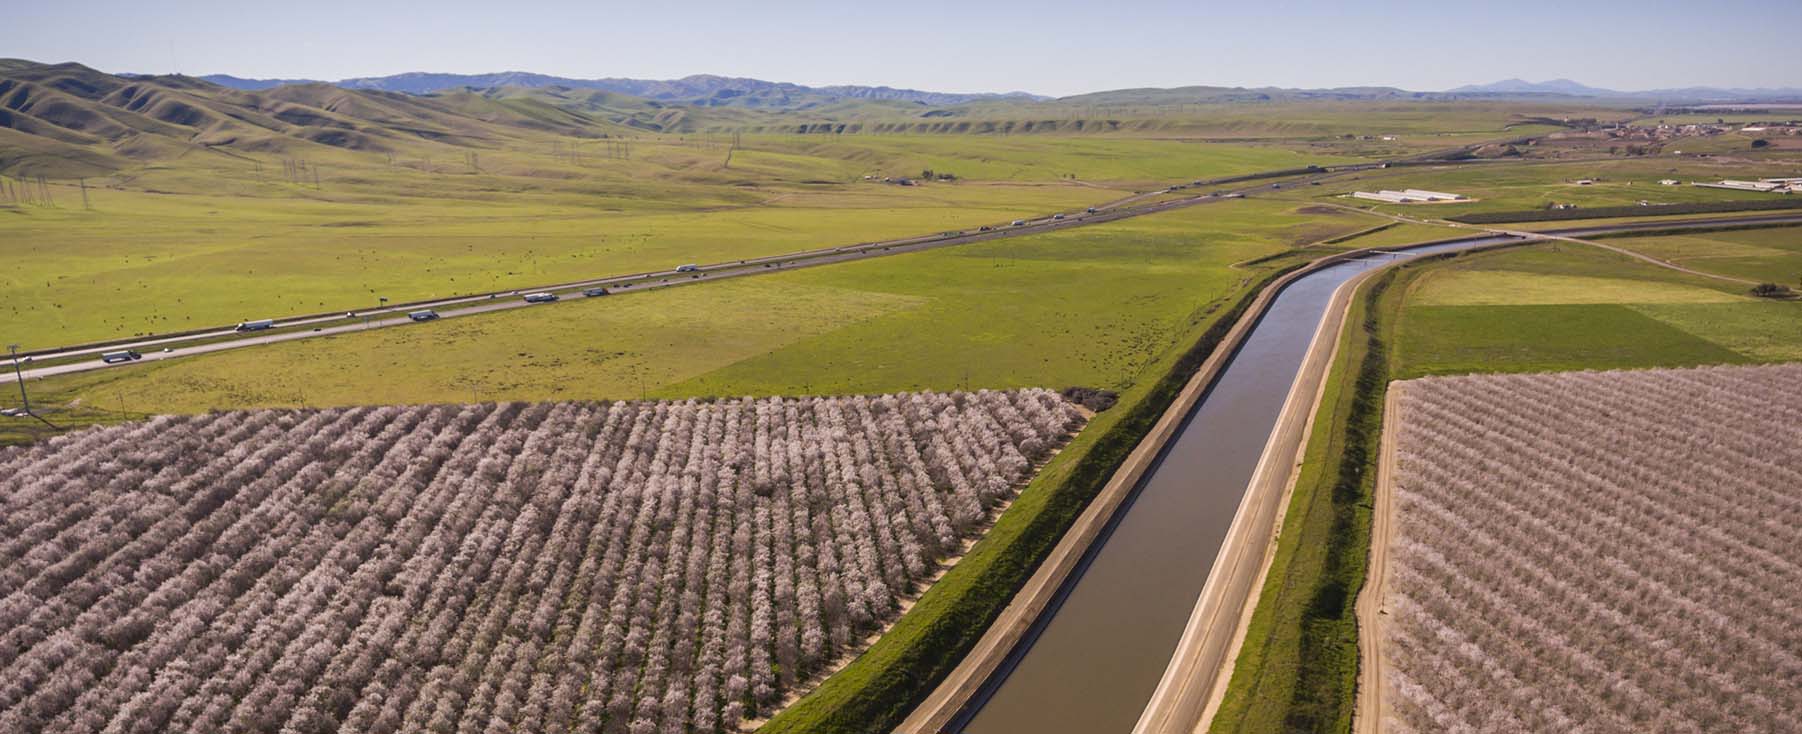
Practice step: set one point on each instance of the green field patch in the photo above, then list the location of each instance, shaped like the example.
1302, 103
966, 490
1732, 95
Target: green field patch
1507, 288
1768, 331
1034, 158
1436, 340
1564, 259
1773, 255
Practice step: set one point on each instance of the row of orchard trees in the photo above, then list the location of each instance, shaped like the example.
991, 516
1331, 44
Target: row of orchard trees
1599, 552
619, 567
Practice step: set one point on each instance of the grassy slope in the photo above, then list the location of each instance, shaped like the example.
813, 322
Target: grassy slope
1298, 668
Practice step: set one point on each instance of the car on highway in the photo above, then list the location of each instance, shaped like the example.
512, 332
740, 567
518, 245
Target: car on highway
984, 228
257, 325
1019, 222
1093, 210
424, 315
126, 355
1057, 216
689, 268
540, 297
592, 292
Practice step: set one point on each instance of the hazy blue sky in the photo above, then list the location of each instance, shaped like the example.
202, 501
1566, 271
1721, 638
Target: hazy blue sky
1047, 46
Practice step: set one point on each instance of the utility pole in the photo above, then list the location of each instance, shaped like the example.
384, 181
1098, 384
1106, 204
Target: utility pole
23, 398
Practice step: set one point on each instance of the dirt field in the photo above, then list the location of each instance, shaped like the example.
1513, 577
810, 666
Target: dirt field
1593, 551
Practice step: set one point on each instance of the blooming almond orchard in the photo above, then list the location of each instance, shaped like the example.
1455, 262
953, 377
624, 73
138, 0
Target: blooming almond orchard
599, 567
1598, 552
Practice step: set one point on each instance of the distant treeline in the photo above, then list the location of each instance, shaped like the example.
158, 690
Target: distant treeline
1605, 212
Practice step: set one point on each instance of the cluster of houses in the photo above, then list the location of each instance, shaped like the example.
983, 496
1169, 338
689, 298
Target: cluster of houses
1664, 132
1407, 196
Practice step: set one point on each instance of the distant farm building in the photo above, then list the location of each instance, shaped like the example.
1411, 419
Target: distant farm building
1768, 185
1407, 196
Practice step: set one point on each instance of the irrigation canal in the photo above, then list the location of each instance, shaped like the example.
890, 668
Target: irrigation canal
1094, 658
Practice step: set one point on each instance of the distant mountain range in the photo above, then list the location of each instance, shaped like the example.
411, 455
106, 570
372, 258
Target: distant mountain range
1568, 88
696, 89
713, 90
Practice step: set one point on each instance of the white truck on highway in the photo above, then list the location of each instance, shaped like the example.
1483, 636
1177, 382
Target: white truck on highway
126, 355
540, 297
257, 325
689, 268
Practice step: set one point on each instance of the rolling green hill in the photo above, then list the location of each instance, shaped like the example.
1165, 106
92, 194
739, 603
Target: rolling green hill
66, 120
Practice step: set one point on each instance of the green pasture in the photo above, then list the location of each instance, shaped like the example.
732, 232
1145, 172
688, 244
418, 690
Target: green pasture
1563, 307
1767, 255
1149, 163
